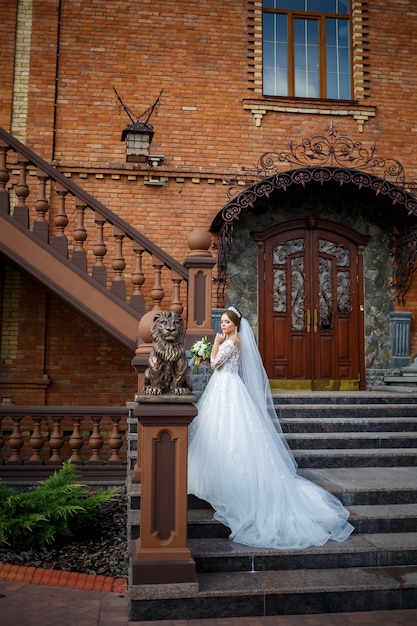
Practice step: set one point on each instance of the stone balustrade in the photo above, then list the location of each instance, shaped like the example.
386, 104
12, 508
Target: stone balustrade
34, 437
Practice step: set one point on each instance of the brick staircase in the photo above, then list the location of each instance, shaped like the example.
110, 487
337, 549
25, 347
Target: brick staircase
363, 448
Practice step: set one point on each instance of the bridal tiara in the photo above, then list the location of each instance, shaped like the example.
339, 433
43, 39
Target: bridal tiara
232, 308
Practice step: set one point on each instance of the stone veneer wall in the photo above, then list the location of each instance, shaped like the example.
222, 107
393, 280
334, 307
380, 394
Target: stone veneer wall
242, 289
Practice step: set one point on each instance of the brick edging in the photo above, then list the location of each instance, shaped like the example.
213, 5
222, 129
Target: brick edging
60, 578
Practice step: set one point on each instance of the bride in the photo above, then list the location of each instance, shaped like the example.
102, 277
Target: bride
239, 461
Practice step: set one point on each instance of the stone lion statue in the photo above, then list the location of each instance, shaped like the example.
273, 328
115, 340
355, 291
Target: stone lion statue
167, 371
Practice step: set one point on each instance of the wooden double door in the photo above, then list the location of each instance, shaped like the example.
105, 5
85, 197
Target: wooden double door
311, 305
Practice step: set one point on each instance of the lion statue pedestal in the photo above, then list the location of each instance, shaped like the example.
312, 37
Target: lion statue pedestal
165, 408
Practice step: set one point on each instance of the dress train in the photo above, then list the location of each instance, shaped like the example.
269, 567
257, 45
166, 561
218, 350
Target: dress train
239, 464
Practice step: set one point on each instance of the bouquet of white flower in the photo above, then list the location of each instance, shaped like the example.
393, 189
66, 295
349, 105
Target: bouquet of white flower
200, 350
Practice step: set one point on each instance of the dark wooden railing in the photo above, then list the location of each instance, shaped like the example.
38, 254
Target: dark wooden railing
82, 233
85, 231
36, 440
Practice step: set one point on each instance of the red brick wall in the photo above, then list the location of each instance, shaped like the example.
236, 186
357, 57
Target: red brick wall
7, 39
85, 366
198, 54
59, 358
23, 339
201, 126
125, 44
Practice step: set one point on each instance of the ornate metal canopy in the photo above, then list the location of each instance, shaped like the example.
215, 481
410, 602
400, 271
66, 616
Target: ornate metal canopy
321, 159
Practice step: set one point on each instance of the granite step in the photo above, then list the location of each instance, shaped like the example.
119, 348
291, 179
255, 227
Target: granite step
375, 569
363, 398
356, 441
379, 499
384, 518
387, 518
374, 411
367, 457
357, 486
306, 425
280, 592
361, 447
359, 550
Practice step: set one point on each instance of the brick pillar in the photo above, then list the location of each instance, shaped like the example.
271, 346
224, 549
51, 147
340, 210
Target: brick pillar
161, 553
200, 263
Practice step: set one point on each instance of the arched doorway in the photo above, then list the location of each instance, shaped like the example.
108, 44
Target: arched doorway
310, 278
337, 189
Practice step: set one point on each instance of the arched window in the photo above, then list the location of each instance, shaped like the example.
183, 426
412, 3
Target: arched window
307, 49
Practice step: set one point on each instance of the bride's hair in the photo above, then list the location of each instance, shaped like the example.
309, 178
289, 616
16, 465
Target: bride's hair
234, 316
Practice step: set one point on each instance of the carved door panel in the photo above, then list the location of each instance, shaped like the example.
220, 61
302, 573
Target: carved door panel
310, 308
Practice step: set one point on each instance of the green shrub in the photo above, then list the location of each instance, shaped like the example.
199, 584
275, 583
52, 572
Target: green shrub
59, 507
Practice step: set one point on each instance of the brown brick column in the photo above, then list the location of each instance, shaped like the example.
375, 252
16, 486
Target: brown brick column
199, 263
161, 552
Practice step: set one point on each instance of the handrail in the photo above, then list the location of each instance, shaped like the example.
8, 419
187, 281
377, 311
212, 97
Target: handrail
93, 203
21, 410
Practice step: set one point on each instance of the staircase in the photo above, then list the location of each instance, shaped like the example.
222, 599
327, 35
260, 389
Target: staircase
363, 448
78, 248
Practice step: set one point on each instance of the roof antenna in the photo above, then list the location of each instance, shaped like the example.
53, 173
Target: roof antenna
148, 112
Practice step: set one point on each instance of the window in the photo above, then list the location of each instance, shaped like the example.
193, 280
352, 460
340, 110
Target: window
306, 49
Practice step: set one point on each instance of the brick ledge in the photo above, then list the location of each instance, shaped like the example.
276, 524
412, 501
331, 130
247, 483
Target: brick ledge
60, 578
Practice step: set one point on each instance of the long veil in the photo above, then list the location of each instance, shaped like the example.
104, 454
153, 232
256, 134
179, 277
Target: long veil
253, 374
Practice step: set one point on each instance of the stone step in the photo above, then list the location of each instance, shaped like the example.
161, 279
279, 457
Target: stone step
384, 518
375, 567
410, 381
356, 486
279, 592
348, 424
353, 486
388, 518
377, 397
379, 499
367, 457
374, 411
356, 441
359, 550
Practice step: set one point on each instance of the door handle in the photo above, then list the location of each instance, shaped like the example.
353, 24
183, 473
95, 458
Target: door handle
315, 321
308, 320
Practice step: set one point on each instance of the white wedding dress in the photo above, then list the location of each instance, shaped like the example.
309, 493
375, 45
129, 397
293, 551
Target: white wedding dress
241, 465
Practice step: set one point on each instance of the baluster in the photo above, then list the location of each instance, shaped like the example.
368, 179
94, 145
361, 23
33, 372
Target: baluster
118, 286
79, 256
41, 226
76, 441
60, 241
36, 440
56, 440
96, 440
115, 440
21, 210
100, 250
4, 178
137, 301
176, 304
16, 441
157, 292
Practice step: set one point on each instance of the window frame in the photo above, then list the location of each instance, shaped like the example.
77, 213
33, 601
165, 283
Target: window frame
321, 18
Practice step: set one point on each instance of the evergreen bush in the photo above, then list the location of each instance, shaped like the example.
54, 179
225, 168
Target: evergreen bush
59, 507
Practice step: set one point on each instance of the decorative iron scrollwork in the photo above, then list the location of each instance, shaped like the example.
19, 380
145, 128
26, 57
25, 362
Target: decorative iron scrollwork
318, 152
319, 159
405, 256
